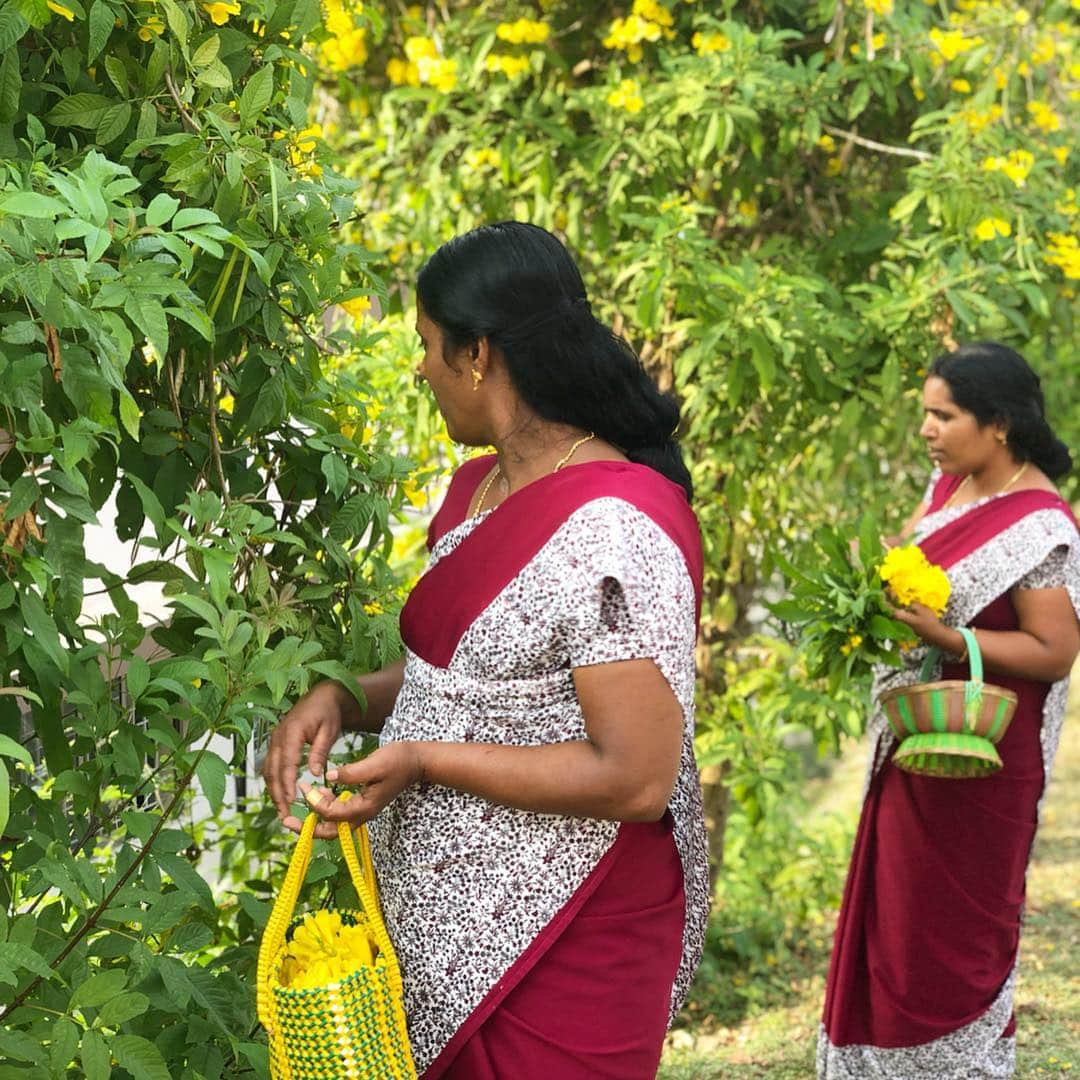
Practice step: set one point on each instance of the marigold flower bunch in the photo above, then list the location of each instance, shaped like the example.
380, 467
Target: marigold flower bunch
913, 579
324, 949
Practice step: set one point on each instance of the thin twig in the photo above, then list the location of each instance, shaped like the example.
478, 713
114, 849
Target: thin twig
215, 441
189, 121
884, 148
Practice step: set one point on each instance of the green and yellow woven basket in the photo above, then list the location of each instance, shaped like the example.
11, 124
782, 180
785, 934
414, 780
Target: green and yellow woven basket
949, 728
353, 1029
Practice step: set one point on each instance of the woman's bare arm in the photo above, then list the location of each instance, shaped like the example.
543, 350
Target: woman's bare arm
623, 771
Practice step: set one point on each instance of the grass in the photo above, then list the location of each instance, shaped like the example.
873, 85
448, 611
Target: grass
737, 1027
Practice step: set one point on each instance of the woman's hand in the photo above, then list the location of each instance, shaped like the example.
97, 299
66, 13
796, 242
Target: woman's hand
377, 781
315, 720
930, 628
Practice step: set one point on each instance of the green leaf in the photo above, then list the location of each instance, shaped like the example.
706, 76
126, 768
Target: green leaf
101, 23
178, 22
95, 1057
257, 94
114, 122
207, 52
42, 626
130, 416
194, 215
30, 204
12, 28
79, 110
140, 1057
161, 209
5, 796
10, 86
336, 472
137, 677
187, 879
114, 68
211, 773
98, 989
65, 1044
122, 1008
8, 746
16, 1045
15, 955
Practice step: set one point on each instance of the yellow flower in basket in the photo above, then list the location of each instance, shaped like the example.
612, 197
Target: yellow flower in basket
913, 579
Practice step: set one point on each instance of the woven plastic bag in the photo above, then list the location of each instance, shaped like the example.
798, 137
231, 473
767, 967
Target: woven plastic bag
351, 1029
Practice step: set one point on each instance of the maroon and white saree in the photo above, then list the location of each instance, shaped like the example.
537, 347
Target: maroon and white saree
486, 904
925, 957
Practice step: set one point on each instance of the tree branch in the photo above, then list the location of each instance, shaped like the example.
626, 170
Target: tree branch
884, 148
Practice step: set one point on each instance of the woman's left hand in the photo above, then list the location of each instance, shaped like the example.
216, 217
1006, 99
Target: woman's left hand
926, 624
377, 780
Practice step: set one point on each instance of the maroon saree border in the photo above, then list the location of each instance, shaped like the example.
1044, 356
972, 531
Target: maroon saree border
979, 525
449, 597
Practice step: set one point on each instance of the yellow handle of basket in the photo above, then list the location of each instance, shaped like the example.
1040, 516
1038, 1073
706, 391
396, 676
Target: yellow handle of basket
363, 879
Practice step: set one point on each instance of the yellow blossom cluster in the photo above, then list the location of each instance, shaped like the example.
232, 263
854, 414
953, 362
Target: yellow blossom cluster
510, 66
990, 228
880, 7
325, 950
478, 159
220, 11
710, 43
852, 643
151, 27
302, 150
961, 86
357, 307
877, 43
1044, 118
523, 32
1064, 252
977, 119
951, 43
913, 579
627, 96
348, 46
826, 143
648, 20
1016, 165
422, 66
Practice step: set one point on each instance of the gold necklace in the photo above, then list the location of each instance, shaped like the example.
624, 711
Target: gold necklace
558, 465
1000, 491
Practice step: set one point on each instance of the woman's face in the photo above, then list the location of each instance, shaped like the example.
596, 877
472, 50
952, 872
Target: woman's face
956, 441
451, 383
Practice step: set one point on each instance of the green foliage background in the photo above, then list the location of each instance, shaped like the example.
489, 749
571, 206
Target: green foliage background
782, 206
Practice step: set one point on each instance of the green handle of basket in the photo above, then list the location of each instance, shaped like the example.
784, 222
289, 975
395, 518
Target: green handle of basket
974, 658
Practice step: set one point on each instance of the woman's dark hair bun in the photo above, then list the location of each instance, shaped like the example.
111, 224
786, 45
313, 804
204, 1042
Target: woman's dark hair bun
518, 286
996, 385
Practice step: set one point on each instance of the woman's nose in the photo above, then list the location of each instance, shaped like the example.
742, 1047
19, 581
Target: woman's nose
927, 429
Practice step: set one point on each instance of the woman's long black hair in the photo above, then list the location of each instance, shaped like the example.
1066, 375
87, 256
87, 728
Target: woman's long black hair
516, 285
995, 384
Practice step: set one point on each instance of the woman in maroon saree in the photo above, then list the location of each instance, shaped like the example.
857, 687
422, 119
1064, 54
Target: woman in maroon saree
925, 958
535, 812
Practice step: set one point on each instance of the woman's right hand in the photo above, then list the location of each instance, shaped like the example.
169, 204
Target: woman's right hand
316, 720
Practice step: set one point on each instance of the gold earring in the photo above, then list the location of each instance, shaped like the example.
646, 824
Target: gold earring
1002, 437
477, 379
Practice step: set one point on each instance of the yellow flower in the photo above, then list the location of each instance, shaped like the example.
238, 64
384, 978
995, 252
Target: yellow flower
59, 9
880, 7
961, 86
437, 72
710, 43
523, 32
357, 307
373, 608
626, 96
1043, 52
834, 166
1022, 17
951, 44
220, 10
826, 143
1064, 252
913, 579
510, 66
1044, 117
226, 403
991, 228
1060, 153
477, 159
1016, 166
648, 21
852, 643
748, 208
877, 41
402, 72
324, 950
418, 48
153, 26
